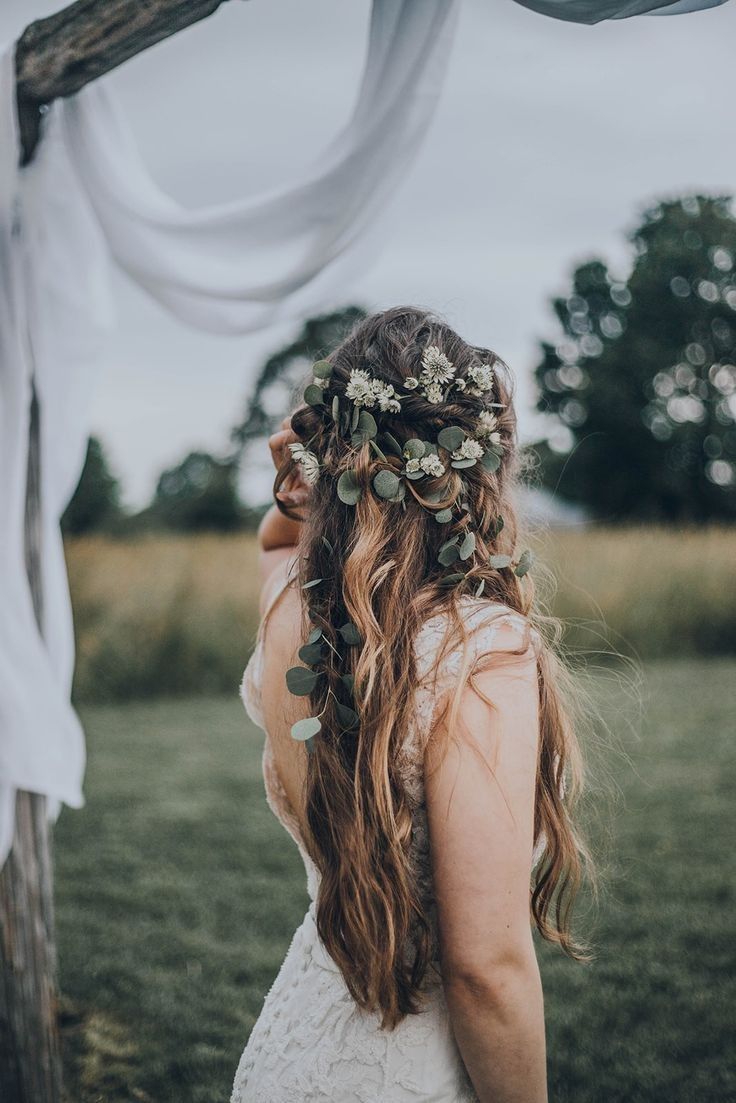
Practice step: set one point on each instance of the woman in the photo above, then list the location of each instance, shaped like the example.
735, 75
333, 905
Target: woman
417, 742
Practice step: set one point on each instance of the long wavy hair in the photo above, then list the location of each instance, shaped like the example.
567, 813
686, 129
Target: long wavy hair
379, 562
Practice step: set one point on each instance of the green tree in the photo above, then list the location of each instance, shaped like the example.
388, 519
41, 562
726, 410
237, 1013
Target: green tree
95, 504
199, 493
644, 375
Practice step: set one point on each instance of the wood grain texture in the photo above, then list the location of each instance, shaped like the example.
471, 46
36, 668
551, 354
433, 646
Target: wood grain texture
58, 55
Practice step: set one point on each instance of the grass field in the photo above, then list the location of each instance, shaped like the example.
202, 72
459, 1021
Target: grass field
178, 893
177, 614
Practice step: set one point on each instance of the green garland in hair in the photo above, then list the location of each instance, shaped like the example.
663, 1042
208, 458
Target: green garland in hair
420, 458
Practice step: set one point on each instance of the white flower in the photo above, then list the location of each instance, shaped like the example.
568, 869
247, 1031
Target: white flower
482, 376
360, 388
308, 462
432, 465
469, 450
321, 383
411, 382
494, 438
433, 393
460, 383
412, 466
386, 396
487, 423
437, 368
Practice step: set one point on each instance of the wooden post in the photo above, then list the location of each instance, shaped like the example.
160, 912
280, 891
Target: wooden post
30, 1065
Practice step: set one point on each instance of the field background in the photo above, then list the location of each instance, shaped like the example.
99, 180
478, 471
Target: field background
176, 614
178, 892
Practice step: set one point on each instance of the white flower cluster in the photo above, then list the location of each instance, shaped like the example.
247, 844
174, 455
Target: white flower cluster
488, 427
307, 461
438, 376
364, 390
430, 465
470, 449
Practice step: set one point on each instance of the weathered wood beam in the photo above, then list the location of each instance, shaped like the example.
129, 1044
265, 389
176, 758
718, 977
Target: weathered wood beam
58, 55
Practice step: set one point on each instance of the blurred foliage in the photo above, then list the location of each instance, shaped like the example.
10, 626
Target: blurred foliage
643, 379
199, 493
95, 504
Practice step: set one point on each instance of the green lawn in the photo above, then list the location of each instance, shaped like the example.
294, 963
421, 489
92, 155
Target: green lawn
177, 895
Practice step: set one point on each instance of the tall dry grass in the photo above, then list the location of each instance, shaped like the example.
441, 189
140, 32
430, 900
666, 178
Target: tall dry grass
170, 614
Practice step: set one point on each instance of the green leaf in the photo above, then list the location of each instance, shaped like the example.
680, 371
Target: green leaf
301, 681
377, 451
467, 462
491, 461
498, 562
443, 516
311, 653
468, 545
481, 588
336, 408
354, 418
322, 370
414, 449
452, 579
451, 437
497, 526
386, 483
390, 443
350, 634
348, 717
414, 475
313, 395
305, 729
311, 583
314, 635
364, 429
449, 552
524, 565
348, 487
328, 545
348, 680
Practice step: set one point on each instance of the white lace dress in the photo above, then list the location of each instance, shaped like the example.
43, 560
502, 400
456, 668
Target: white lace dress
311, 1042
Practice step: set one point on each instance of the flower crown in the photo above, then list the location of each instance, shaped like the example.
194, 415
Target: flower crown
420, 458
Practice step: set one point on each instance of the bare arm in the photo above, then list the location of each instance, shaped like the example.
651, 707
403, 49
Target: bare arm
480, 806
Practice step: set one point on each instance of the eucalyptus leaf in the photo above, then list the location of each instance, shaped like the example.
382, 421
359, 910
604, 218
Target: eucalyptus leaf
305, 729
350, 634
348, 487
390, 443
348, 717
414, 449
364, 429
301, 681
443, 516
354, 418
313, 395
328, 545
430, 448
314, 635
468, 461
311, 583
491, 461
468, 545
336, 408
497, 526
498, 562
448, 553
524, 565
452, 579
414, 475
481, 588
348, 680
386, 483
322, 370
451, 437
381, 455
311, 653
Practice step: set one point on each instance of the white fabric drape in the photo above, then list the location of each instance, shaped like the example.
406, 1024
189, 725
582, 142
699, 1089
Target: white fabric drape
229, 269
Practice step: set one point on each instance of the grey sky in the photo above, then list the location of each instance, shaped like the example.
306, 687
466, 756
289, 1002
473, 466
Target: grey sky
548, 140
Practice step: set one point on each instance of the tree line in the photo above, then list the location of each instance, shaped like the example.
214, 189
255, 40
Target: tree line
637, 389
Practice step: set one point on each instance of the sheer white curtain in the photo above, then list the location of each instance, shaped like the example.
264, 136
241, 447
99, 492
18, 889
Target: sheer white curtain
87, 198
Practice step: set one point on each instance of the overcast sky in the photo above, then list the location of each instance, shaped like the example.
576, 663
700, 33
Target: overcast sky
548, 141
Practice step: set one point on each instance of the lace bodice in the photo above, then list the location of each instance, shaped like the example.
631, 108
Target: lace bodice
482, 621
